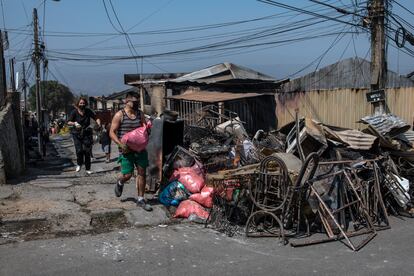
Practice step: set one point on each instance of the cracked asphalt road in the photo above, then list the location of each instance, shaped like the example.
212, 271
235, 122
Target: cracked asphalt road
189, 249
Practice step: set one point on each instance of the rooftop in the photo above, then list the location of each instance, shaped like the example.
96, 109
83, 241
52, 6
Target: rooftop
214, 97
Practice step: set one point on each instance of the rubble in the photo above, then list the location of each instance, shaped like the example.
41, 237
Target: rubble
338, 182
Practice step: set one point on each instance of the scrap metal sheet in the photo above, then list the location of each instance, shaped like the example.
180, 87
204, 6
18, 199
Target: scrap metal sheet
353, 138
387, 125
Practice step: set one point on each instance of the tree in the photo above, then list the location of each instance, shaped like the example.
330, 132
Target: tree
57, 97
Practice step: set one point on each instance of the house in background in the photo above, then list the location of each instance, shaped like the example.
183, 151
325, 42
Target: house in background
227, 86
410, 76
115, 102
97, 103
336, 95
106, 106
152, 90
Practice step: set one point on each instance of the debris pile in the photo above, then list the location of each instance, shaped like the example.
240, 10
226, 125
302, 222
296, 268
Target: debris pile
305, 184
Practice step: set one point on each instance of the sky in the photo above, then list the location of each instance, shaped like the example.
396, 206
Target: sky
87, 48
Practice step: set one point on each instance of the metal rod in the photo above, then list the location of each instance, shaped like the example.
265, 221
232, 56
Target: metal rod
322, 203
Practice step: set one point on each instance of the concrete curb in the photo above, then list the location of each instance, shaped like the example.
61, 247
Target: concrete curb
24, 224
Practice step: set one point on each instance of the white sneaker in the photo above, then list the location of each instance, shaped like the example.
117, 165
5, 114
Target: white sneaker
89, 172
78, 168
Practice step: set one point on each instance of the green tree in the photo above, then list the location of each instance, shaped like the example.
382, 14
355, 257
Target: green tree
57, 97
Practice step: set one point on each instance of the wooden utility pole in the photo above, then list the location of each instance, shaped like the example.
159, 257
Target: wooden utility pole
378, 53
36, 60
24, 88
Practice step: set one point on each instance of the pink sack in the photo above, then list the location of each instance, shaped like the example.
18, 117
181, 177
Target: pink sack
188, 207
199, 169
205, 197
137, 139
189, 178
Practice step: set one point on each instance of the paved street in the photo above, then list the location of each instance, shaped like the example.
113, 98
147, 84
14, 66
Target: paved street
193, 250
51, 199
105, 236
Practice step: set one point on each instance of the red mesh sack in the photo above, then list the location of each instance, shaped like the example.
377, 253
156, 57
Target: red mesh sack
188, 207
189, 178
205, 197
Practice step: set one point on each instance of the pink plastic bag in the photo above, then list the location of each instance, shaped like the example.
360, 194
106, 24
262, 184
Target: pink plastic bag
205, 197
137, 139
189, 178
188, 207
199, 169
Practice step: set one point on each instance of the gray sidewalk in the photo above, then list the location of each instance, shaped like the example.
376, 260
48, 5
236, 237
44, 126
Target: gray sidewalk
64, 146
54, 200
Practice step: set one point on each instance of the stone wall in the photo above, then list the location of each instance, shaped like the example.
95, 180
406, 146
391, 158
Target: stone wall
11, 162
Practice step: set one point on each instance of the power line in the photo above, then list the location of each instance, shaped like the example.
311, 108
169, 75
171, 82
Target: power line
110, 38
194, 28
131, 48
109, 18
163, 31
77, 57
293, 8
259, 35
208, 37
150, 15
337, 39
403, 7
333, 67
208, 55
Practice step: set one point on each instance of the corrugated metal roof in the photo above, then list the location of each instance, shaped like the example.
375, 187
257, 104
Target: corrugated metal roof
222, 72
387, 125
135, 79
121, 94
353, 138
214, 97
407, 136
347, 73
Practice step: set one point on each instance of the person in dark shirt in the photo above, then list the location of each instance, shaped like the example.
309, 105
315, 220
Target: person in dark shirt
105, 141
79, 120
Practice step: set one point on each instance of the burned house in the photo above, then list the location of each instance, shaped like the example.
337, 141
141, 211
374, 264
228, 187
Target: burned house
230, 88
152, 90
106, 106
336, 95
114, 101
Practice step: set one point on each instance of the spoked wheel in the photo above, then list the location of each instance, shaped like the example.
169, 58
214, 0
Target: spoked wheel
264, 224
269, 190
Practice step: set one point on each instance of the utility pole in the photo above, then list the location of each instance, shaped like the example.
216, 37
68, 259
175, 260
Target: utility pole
3, 86
12, 79
378, 54
36, 60
24, 88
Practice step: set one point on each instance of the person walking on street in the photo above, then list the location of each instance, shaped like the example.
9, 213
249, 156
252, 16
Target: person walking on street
124, 121
105, 141
82, 134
